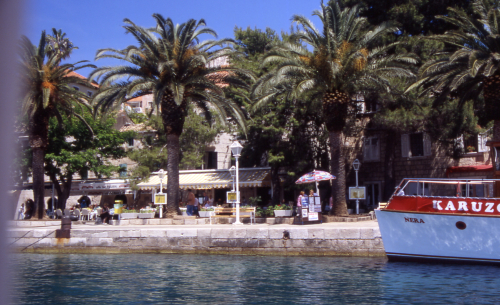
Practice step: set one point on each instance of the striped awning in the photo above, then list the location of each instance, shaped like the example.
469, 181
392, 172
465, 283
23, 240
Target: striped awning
208, 179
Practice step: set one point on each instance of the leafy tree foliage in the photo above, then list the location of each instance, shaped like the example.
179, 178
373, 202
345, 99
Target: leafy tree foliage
468, 67
73, 149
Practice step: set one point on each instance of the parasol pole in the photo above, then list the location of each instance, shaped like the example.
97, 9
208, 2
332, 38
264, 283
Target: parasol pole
317, 191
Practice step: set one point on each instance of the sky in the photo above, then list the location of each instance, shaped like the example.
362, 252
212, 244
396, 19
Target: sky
92, 25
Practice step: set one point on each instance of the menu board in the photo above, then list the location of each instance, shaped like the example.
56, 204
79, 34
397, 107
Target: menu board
313, 216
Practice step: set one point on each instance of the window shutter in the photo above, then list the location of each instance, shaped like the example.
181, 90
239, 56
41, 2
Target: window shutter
366, 149
376, 149
405, 146
481, 142
427, 145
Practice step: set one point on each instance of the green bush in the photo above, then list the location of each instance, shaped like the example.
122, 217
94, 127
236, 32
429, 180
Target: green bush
129, 211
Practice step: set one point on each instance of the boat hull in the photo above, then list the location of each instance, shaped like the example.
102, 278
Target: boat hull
413, 236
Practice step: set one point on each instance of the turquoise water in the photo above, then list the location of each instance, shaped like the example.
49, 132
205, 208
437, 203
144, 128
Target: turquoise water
219, 279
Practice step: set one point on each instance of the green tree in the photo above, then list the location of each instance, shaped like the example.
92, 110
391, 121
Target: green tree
344, 61
75, 149
171, 63
46, 94
468, 65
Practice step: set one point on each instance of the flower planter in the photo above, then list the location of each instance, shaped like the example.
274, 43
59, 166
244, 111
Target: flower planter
128, 215
204, 213
146, 215
282, 213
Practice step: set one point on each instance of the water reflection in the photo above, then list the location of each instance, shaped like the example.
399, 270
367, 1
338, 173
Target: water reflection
209, 279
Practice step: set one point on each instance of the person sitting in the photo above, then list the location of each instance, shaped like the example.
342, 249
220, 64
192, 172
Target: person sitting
105, 215
30, 206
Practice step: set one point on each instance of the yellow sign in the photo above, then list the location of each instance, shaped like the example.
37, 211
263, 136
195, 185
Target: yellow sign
161, 199
357, 193
232, 196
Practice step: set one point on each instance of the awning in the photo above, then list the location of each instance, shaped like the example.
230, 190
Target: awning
208, 179
462, 169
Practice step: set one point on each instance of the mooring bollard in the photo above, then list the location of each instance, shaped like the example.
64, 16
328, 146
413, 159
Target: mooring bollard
65, 230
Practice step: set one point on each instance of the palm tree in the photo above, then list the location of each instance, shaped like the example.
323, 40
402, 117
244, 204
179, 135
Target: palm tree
470, 64
46, 93
170, 63
343, 62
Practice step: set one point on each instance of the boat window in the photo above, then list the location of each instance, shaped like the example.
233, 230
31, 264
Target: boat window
414, 189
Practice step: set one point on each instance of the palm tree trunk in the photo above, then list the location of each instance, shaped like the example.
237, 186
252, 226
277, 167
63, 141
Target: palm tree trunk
337, 162
38, 181
173, 159
173, 117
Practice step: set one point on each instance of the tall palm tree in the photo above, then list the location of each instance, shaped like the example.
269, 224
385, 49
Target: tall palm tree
343, 62
46, 93
470, 63
170, 63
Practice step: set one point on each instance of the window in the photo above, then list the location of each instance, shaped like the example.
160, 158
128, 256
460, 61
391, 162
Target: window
415, 145
131, 142
123, 170
372, 195
89, 93
84, 174
371, 149
212, 160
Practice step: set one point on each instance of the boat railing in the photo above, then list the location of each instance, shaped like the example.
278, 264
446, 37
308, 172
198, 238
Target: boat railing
423, 186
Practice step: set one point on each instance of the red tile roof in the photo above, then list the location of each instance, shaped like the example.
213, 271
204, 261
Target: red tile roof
74, 74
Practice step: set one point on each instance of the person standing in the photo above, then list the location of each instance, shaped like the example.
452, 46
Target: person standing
196, 207
299, 204
190, 203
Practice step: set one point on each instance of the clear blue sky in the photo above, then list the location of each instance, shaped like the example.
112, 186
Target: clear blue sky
93, 25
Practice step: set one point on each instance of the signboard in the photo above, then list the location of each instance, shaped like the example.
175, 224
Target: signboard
313, 216
231, 197
357, 193
304, 213
161, 199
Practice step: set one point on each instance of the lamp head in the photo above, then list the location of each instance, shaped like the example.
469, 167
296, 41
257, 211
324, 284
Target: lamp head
236, 148
356, 164
232, 171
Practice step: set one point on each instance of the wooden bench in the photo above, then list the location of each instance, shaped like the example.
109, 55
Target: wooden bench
245, 212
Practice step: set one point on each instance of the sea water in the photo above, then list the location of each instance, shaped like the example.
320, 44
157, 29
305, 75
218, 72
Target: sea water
224, 279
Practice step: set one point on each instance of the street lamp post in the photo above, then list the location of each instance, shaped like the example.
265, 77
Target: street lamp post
232, 171
236, 150
356, 164
161, 174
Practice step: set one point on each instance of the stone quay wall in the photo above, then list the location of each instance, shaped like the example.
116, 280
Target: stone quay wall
313, 240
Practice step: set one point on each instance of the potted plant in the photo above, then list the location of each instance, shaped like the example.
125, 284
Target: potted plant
282, 210
129, 214
205, 212
471, 149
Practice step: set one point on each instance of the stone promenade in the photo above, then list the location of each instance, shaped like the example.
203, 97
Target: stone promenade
327, 239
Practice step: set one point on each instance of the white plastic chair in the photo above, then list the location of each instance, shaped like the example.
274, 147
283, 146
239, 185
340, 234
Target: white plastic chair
77, 213
59, 213
67, 212
85, 214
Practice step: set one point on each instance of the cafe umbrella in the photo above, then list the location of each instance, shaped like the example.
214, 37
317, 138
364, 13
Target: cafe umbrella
314, 177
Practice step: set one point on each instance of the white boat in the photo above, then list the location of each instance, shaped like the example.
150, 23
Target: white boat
442, 220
